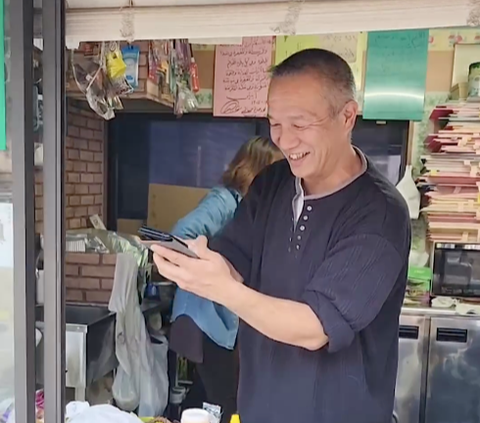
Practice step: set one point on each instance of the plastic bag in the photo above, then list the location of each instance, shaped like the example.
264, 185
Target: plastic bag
408, 190
154, 389
141, 379
104, 414
129, 338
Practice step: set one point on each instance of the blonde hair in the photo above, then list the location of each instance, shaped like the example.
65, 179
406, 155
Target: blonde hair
250, 160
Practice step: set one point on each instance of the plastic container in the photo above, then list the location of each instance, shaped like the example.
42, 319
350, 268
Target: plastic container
195, 415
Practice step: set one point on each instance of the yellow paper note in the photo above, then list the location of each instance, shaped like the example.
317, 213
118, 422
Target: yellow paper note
286, 45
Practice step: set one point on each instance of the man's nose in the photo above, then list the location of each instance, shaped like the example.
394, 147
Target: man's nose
287, 140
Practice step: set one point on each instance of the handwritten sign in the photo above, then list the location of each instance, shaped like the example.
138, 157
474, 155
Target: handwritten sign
286, 45
242, 78
396, 74
345, 45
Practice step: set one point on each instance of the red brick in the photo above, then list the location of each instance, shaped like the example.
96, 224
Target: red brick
98, 157
74, 295
86, 133
69, 211
86, 156
81, 212
69, 142
82, 258
95, 189
39, 202
73, 177
100, 297
78, 120
107, 284
98, 135
73, 131
86, 178
69, 189
73, 200
99, 199
74, 223
93, 210
38, 227
109, 259
98, 271
81, 144
39, 177
94, 146
73, 154
69, 165
38, 189
98, 179
88, 200
83, 222
94, 167
81, 189
38, 215
83, 283
71, 270
79, 167
95, 124
88, 113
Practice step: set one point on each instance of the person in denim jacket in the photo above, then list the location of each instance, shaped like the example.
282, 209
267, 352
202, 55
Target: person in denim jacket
202, 331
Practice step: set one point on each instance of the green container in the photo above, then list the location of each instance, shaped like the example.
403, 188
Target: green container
474, 80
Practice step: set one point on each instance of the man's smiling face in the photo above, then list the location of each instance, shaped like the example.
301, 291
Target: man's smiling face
309, 123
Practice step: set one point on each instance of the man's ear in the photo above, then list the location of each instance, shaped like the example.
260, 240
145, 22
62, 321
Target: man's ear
349, 115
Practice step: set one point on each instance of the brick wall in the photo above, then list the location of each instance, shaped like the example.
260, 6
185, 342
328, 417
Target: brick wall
89, 277
84, 168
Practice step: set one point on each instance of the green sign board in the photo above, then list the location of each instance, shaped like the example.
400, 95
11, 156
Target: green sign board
396, 73
3, 102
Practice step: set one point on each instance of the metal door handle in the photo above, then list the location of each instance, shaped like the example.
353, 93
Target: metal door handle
408, 332
452, 335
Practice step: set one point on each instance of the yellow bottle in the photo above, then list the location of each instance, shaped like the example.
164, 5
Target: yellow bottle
235, 418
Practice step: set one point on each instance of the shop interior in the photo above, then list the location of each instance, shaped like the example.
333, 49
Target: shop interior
149, 130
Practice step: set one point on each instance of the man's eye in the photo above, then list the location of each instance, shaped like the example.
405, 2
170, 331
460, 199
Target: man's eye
298, 126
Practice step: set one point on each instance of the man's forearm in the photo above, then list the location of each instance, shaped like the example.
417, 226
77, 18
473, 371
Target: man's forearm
285, 321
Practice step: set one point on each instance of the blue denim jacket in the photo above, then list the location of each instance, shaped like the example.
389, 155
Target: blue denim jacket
210, 216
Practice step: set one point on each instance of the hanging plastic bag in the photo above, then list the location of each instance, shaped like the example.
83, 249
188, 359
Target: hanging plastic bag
128, 337
141, 379
408, 190
154, 390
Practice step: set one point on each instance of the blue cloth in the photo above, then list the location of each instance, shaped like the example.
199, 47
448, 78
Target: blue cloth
214, 211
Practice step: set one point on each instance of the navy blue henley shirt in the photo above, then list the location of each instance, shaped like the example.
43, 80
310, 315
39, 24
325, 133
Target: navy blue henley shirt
347, 259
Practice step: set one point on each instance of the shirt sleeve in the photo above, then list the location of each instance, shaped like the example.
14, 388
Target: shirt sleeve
354, 281
235, 241
209, 217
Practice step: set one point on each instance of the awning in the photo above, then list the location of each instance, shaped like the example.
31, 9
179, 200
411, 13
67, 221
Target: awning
158, 19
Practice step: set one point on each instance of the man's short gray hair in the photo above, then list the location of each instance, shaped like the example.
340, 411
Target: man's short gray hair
329, 67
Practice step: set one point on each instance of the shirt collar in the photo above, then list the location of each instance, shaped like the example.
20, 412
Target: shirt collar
300, 191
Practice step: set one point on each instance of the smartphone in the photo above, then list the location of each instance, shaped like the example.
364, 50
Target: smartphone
171, 242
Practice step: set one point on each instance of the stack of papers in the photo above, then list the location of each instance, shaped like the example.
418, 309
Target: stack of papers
453, 174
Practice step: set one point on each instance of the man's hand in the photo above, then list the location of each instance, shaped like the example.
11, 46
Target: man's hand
214, 278
210, 276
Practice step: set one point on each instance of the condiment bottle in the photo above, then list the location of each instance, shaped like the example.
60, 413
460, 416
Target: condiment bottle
194, 75
235, 418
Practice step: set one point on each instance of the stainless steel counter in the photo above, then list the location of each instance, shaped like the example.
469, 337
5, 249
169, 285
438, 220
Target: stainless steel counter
438, 377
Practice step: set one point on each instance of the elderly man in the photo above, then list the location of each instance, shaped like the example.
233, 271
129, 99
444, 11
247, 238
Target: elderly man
314, 262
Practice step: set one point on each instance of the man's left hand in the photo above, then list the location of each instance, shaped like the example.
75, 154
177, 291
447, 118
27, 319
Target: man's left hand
210, 276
